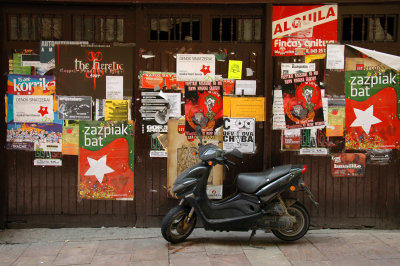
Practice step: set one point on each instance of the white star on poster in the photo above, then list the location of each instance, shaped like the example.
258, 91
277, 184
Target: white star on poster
99, 168
365, 119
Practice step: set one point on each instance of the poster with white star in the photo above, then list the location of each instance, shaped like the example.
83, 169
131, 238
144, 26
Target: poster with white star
372, 109
33, 108
195, 67
106, 159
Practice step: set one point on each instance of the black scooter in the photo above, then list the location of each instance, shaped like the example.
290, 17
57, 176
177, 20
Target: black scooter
257, 204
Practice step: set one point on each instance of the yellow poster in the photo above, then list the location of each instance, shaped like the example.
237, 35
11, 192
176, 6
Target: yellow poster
248, 107
227, 106
116, 110
235, 69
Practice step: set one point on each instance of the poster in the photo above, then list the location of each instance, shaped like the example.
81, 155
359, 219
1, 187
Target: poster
70, 137
228, 86
336, 117
379, 157
303, 30
157, 108
195, 67
160, 81
248, 107
86, 67
278, 112
245, 87
235, 69
372, 109
106, 160
180, 157
302, 100
291, 139
335, 56
34, 137
156, 149
239, 133
348, 164
75, 107
33, 108
46, 158
116, 110
203, 106
313, 141
292, 68
114, 87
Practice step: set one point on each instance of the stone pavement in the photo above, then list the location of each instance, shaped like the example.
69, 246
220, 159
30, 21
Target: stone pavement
144, 246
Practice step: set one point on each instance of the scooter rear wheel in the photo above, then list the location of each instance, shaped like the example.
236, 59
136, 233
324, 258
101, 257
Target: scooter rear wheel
175, 227
300, 227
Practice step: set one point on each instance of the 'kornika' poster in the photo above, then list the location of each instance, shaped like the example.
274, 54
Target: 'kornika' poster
203, 106
372, 110
302, 101
303, 30
106, 160
85, 68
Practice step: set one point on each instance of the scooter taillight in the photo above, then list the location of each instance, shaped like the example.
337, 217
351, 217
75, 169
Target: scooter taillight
304, 169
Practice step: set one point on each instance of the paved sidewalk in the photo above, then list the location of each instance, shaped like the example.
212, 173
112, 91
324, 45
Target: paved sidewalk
143, 246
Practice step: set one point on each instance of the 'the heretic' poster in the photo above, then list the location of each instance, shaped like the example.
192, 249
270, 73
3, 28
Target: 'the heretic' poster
106, 160
85, 68
303, 30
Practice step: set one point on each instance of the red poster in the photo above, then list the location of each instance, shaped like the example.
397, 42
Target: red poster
303, 30
348, 164
160, 80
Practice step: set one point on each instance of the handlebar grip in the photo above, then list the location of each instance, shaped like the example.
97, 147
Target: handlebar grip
230, 162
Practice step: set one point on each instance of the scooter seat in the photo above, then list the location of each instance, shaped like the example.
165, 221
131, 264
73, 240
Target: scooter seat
251, 182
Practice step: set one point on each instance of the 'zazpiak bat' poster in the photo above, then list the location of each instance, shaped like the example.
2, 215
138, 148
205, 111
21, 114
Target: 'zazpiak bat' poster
82, 70
106, 159
372, 109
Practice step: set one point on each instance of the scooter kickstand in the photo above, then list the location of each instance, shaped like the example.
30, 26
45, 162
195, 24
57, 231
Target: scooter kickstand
253, 233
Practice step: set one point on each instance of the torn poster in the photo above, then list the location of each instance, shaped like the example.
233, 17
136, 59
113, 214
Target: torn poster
46, 158
336, 117
203, 106
290, 139
303, 30
239, 133
160, 81
348, 164
302, 100
70, 137
180, 157
313, 141
106, 160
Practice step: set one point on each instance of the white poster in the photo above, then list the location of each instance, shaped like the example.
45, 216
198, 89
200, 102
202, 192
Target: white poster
245, 87
278, 112
335, 56
195, 67
292, 68
114, 87
33, 108
239, 133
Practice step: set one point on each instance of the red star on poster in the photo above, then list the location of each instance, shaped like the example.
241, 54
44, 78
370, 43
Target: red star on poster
43, 110
205, 70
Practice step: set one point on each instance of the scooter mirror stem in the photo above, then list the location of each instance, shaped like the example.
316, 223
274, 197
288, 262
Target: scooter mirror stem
200, 135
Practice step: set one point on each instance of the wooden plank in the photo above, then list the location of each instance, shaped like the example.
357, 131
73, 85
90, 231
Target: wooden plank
12, 183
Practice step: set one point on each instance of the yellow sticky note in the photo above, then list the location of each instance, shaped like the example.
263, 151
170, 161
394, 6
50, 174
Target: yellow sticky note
235, 69
248, 107
227, 106
310, 58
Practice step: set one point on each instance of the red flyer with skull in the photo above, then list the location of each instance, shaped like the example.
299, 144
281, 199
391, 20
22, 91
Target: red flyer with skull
302, 101
203, 106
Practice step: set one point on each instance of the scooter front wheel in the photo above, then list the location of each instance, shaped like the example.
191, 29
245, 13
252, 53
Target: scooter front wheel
300, 227
175, 226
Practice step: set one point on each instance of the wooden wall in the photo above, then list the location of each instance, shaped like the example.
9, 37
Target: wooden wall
34, 196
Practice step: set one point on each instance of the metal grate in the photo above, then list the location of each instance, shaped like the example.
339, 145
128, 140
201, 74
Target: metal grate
233, 28
369, 28
175, 28
30, 27
98, 28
